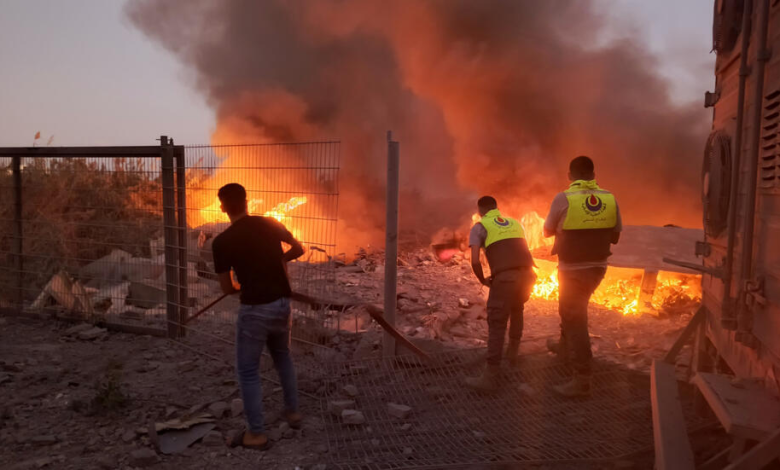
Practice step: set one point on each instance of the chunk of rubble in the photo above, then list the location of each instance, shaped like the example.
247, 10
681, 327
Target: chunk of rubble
218, 409
464, 303
236, 407
352, 417
74, 330
143, 457
92, 333
337, 407
398, 411
350, 390
213, 439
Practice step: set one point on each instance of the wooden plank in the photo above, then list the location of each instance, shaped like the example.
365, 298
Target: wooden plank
745, 409
697, 319
760, 455
672, 446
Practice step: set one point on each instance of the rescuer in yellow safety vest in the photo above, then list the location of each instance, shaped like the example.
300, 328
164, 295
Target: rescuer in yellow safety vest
511, 281
585, 221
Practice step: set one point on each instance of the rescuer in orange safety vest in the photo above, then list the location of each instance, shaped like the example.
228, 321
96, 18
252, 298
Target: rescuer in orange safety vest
511, 281
585, 221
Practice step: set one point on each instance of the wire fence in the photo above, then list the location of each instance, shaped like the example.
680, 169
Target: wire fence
296, 184
75, 231
121, 236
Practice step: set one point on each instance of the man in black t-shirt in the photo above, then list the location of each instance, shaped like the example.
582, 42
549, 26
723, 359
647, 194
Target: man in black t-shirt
252, 248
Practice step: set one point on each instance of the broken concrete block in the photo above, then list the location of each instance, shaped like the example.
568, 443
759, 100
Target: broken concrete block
275, 434
143, 457
92, 333
350, 390
406, 427
213, 439
337, 407
352, 417
398, 411
107, 268
236, 407
74, 330
218, 409
464, 303
147, 294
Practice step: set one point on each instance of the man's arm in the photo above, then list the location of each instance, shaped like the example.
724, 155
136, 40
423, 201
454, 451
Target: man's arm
222, 268
296, 249
558, 208
618, 226
226, 284
476, 265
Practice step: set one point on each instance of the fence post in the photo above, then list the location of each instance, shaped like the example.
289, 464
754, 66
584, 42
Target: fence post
18, 234
391, 243
181, 207
169, 234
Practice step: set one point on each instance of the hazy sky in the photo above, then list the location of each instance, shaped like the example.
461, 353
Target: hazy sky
78, 70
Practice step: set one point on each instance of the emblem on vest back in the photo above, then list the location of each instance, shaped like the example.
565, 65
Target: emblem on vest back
500, 221
593, 205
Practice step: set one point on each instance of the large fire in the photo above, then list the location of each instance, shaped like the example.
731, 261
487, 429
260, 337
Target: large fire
213, 213
620, 289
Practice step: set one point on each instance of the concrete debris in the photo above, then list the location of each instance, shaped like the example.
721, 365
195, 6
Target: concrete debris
128, 436
147, 294
464, 303
350, 390
352, 417
174, 442
92, 333
406, 427
275, 434
143, 457
213, 439
218, 409
337, 407
74, 330
398, 411
289, 434
236, 407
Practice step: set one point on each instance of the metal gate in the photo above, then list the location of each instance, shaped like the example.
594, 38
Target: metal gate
120, 236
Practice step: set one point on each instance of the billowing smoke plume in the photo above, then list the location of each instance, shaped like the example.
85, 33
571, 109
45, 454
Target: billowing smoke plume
486, 97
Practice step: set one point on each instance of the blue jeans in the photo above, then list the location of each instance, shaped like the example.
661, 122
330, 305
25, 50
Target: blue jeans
257, 326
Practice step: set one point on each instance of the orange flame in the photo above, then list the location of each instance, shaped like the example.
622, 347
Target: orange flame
620, 288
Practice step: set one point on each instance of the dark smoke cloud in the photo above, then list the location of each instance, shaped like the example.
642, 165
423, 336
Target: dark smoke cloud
485, 97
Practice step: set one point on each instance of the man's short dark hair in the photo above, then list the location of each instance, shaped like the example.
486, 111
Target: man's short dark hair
233, 198
582, 168
487, 203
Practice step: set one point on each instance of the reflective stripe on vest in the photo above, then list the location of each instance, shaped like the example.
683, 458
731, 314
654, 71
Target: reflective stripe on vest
500, 228
590, 207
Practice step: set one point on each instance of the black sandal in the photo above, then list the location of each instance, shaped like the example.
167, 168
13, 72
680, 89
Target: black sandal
238, 441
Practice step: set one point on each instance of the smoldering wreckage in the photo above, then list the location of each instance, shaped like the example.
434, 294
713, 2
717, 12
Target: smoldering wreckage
441, 308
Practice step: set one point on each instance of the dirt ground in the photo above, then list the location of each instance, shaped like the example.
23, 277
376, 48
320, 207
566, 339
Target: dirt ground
71, 403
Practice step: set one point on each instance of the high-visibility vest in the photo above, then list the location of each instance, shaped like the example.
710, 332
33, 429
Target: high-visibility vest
589, 224
505, 246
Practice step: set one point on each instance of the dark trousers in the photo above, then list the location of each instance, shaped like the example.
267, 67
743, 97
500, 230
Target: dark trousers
576, 286
509, 291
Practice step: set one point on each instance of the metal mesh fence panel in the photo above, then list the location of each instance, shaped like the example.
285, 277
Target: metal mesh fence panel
87, 218
296, 184
451, 426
